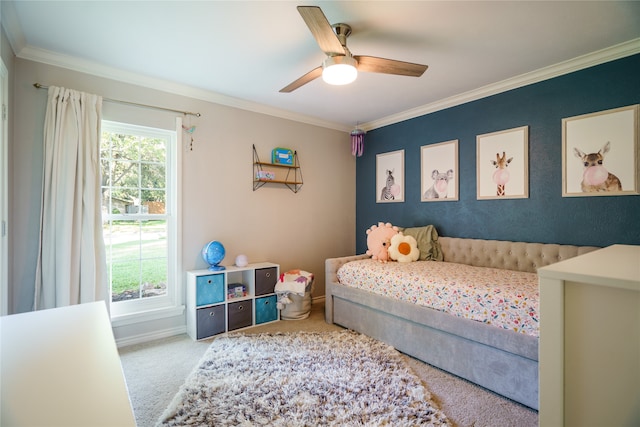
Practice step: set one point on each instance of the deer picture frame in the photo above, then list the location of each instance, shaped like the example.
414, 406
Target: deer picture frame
390, 177
600, 153
439, 172
503, 164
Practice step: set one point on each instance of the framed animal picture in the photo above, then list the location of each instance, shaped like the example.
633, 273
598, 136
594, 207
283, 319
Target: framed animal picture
503, 164
390, 177
439, 171
600, 153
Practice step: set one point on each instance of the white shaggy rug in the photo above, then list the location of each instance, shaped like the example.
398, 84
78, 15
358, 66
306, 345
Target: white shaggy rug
302, 379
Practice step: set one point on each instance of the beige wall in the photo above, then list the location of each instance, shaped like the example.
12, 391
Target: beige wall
270, 224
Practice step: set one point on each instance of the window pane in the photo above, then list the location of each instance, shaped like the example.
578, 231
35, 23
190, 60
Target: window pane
124, 248
153, 150
106, 170
125, 239
154, 277
124, 174
106, 232
123, 263
125, 200
105, 150
153, 175
124, 147
154, 199
125, 283
154, 239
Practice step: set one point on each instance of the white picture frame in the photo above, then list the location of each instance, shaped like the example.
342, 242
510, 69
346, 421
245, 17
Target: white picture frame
502, 160
607, 141
390, 177
439, 172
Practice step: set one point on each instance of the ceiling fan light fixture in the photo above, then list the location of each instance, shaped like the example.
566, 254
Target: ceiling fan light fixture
339, 70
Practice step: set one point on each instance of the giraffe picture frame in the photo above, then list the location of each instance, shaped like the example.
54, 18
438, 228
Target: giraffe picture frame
600, 153
502, 164
390, 177
439, 172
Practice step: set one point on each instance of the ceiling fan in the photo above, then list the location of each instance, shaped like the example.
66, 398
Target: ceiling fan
332, 39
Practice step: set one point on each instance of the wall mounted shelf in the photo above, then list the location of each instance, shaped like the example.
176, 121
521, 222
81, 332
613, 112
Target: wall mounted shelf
292, 173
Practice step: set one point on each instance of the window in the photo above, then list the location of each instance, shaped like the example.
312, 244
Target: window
139, 181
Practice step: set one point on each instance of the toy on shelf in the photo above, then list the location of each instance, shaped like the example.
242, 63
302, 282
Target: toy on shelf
236, 290
265, 175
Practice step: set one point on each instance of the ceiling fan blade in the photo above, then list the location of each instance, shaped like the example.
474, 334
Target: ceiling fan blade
321, 30
372, 64
311, 75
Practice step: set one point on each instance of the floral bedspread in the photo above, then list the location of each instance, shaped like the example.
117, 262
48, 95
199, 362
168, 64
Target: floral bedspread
503, 298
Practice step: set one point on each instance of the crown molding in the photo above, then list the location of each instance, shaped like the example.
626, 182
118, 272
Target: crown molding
31, 53
602, 56
100, 70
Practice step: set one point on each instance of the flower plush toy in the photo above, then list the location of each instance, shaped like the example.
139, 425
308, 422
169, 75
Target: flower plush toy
379, 239
404, 248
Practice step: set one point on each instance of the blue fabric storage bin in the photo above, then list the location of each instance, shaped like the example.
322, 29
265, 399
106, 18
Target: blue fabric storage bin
209, 289
266, 309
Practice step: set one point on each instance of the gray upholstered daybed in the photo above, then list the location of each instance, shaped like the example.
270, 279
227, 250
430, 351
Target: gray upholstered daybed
500, 360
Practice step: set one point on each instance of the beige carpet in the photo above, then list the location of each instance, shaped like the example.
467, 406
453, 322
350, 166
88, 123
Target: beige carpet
155, 371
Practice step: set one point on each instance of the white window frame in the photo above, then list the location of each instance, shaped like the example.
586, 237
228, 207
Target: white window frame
144, 309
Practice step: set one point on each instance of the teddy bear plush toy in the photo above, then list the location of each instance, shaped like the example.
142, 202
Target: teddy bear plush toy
379, 239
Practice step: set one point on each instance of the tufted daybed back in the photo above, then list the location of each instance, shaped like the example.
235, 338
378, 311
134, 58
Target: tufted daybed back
518, 256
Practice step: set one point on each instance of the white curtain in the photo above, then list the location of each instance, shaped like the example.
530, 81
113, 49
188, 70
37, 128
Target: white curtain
71, 265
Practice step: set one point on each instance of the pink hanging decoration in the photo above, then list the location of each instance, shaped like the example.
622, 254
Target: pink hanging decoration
357, 142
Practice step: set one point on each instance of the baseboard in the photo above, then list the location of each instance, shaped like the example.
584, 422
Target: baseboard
151, 336
165, 333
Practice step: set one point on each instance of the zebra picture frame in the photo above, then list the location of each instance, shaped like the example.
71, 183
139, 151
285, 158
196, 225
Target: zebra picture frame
503, 164
390, 177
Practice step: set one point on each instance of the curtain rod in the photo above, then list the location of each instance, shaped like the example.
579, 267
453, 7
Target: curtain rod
39, 86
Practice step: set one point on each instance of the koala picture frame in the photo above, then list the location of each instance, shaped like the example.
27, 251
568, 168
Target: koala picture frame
600, 153
502, 170
439, 172
390, 177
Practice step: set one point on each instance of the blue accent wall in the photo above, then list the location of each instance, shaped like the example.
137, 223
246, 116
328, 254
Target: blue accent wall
545, 216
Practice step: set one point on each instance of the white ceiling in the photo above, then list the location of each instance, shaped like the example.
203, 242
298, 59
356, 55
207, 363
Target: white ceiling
242, 53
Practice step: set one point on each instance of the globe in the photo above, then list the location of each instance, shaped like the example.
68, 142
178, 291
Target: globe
213, 254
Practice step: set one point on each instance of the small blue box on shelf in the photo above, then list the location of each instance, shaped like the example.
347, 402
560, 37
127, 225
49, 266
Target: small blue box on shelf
283, 156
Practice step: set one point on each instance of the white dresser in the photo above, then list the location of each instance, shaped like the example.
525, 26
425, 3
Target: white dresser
590, 339
61, 367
